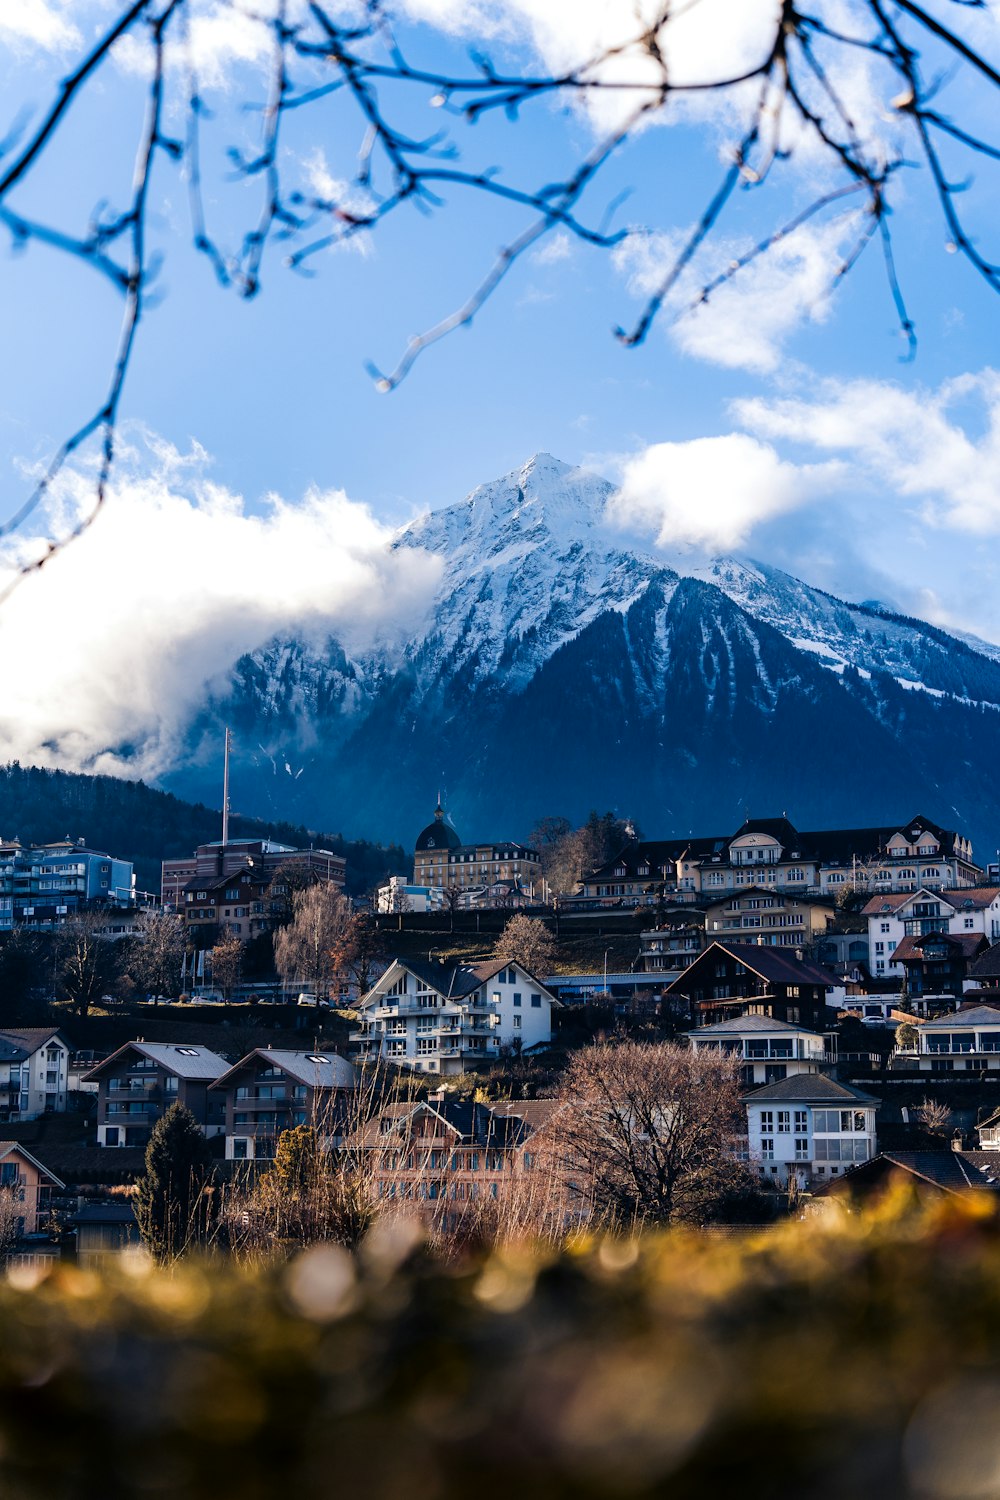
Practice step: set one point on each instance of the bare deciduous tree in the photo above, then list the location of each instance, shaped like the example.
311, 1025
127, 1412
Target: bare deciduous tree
227, 964
528, 942
157, 955
648, 1130
935, 1117
86, 960
315, 946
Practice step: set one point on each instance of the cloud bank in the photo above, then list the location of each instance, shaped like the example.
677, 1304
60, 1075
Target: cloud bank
107, 652
712, 492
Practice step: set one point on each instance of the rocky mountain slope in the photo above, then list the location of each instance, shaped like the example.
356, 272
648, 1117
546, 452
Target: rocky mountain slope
563, 668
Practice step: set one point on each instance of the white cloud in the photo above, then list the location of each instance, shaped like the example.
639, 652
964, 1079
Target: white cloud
747, 320
173, 582
940, 449
554, 250
38, 23
710, 493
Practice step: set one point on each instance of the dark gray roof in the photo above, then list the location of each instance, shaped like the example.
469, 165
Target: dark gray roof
973, 1015
318, 1069
737, 1025
186, 1059
952, 1171
778, 965
19, 1042
810, 1088
438, 835
117, 1211
987, 965
456, 981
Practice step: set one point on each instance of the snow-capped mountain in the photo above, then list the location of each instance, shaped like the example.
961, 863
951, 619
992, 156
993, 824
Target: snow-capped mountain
562, 668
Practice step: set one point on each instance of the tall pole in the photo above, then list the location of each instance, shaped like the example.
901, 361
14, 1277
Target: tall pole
225, 794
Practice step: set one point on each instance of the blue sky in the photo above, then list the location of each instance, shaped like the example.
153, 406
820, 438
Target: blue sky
867, 475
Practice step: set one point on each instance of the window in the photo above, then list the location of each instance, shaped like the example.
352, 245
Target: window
767, 1119
784, 1122
517, 1000
884, 927
187, 1052
517, 1023
170, 1083
111, 1135
970, 922
536, 1002
239, 1148
801, 1148
767, 1148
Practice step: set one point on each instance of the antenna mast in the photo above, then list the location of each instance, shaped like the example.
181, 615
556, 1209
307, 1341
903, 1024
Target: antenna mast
225, 794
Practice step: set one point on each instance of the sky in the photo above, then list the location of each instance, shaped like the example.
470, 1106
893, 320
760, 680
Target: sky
261, 471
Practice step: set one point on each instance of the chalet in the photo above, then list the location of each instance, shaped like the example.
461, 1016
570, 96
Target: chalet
271, 1090
735, 979
138, 1083
773, 853
810, 1128
439, 1017
936, 967
34, 1072
768, 1049
984, 971
30, 1182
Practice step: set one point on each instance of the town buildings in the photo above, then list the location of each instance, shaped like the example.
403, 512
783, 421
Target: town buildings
138, 1083
734, 979
29, 1181
963, 1041
34, 1072
775, 917
237, 886
494, 873
768, 1049
893, 916
41, 885
935, 968
809, 1127
271, 1090
439, 1017
448, 1159
771, 852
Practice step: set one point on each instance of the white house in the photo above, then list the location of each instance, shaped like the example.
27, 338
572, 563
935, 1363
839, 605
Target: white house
810, 1127
769, 1049
34, 1072
893, 916
439, 1017
963, 1041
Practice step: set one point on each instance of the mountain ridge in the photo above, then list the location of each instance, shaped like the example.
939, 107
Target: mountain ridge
562, 667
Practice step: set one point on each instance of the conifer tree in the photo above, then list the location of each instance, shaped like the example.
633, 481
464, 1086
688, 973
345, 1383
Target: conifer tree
172, 1196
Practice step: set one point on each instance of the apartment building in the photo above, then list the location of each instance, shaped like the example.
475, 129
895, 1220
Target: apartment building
772, 852
30, 1182
34, 1072
272, 1089
768, 1049
810, 1128
777, 918
738, 979
237, 887
137, 1085
893, 916
443, 1017
43, 884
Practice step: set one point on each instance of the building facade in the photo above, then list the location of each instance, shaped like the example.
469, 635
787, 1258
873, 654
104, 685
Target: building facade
809, 1128
29, 1181
894, 916
768, 1049
272, 1090
41, 885
736, 979
965, 1041
439, 1017
237, 887
778, 918
771, 852
490, 873
34, 1072
137, 1085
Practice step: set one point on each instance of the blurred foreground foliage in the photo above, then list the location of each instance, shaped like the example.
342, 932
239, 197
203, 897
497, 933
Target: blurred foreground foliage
851, 1356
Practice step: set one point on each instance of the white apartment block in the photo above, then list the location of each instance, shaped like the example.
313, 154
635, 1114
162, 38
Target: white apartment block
810, 1128
893, 916
439, 1017
34, 1072
768, 1049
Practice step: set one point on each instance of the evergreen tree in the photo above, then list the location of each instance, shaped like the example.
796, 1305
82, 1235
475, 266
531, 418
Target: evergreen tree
172, 1196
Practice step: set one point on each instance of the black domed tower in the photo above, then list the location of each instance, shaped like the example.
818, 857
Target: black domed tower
434, 844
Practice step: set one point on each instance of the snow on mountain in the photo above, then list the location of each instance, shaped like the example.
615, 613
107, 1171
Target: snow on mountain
561, 667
